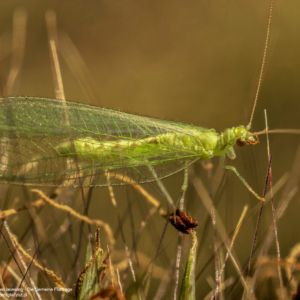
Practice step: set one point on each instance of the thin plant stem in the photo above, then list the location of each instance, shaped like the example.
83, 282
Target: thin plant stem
258, 218
60, 94
273, 210
213, 218
113, 200
18, 49
20, 257
230, 248
179, 245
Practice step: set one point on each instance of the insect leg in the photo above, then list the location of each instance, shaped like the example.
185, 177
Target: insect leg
222, 159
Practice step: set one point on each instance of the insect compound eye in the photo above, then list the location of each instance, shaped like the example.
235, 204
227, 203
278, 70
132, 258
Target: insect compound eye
241, 142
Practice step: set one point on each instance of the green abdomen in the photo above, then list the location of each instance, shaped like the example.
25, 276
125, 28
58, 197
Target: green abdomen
168, 146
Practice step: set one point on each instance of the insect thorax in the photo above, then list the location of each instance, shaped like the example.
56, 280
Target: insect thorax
226, 140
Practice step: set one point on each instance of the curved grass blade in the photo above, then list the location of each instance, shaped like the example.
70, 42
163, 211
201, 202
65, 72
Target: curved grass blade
187, 291
87, 281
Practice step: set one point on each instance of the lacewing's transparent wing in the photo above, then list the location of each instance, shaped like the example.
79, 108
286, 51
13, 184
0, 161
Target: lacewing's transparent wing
35, 147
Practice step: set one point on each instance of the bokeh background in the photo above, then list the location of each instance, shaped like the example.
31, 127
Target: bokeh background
195, 62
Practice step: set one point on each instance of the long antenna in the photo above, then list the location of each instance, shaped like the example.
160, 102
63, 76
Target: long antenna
262, 65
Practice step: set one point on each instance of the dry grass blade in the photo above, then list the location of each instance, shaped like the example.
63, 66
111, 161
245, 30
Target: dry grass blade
273, 212
114, 202
204, 196
18, 48
258, 220
80, 287
75, 214
229, 250
13, 211
58, 282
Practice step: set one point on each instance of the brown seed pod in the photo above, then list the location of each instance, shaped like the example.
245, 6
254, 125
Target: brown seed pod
182, 221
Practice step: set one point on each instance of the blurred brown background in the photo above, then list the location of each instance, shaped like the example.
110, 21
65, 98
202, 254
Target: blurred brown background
196, 63
191, 61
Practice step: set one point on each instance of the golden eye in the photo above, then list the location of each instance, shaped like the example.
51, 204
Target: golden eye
241, 142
